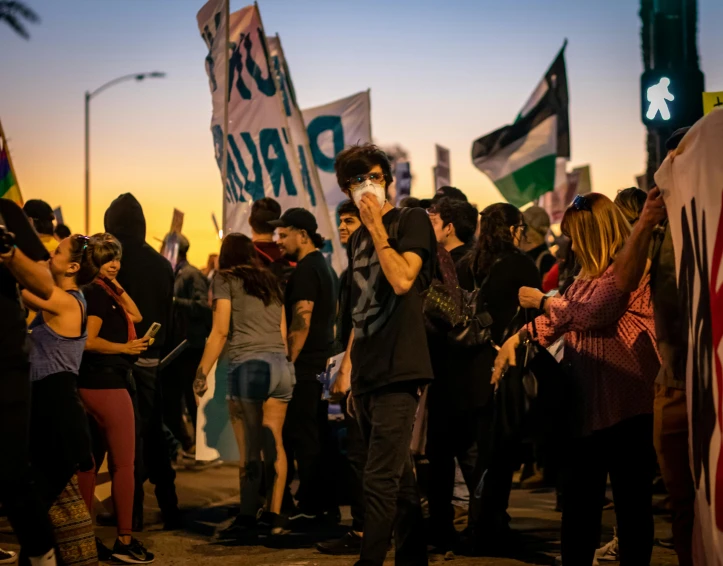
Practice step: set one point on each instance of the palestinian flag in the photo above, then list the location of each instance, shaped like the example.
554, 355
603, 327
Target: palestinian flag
8, 184
520, 158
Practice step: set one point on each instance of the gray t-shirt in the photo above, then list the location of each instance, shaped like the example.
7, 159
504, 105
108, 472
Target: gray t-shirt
254, 328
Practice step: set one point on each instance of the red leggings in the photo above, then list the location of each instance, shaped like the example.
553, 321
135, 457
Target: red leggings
112, 409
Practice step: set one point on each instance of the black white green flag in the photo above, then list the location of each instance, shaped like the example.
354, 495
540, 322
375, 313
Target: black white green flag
520, 158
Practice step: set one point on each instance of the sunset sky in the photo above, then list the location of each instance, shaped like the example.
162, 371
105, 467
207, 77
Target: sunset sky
439, 72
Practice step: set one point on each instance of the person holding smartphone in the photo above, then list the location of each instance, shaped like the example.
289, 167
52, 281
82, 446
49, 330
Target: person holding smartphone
105, 385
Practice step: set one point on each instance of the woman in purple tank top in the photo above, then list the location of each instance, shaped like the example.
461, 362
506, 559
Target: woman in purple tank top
59, 439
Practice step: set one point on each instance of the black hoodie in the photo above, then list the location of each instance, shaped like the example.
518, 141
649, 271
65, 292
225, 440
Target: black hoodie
145, 274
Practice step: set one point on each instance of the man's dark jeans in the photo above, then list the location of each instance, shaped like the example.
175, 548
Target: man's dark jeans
386, 418
153, 461
356, 453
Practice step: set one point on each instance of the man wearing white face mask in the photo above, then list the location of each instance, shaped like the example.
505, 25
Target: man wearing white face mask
391, 262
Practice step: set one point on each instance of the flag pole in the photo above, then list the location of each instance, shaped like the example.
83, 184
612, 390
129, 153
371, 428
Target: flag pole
224, 164
369, 97
10, 162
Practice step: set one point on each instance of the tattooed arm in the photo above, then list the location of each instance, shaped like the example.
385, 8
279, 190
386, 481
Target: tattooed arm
299, 329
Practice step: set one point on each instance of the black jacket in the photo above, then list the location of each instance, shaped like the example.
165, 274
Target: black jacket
470, 370
192, 317
145, 274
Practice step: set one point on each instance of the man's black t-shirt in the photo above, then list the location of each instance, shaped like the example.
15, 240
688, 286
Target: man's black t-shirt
390, 342
312, 280
105, 371
13, 331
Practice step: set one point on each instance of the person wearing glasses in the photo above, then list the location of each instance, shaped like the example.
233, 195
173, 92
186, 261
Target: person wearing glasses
391, 262
59, 439
498, 267
610, 361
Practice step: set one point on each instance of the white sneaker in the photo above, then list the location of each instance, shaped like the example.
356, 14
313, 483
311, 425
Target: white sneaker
610, 552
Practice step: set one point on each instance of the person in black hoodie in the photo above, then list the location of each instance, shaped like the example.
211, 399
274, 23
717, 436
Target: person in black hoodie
147, 277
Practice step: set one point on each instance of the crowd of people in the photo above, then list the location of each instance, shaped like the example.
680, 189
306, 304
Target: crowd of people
445, 321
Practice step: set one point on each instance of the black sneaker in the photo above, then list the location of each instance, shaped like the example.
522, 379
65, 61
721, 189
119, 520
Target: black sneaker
104, 553
348, 545
242, 524
8, 557
133, 553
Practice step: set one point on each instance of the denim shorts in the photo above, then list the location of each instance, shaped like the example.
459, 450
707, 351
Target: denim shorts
253, 380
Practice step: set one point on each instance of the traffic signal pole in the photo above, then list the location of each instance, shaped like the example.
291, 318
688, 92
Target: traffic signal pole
672, 83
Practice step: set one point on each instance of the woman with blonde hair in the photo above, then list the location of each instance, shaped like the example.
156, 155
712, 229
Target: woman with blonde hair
611, 362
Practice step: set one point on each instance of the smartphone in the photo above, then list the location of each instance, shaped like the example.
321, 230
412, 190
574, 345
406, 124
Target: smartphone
153, 330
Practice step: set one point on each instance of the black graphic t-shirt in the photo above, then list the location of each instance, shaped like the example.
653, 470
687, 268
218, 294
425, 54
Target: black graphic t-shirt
390, 342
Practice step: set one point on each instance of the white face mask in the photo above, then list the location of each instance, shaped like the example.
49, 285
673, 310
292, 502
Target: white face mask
373, 188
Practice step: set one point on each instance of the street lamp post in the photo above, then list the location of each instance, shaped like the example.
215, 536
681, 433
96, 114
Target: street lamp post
88, 97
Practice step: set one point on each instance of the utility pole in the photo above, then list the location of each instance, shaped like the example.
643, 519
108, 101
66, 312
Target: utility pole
672, 83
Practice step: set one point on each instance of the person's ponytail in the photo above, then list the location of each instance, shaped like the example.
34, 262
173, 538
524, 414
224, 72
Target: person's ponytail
82, 251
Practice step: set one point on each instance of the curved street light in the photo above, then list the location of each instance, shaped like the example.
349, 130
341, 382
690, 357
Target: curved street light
88, 97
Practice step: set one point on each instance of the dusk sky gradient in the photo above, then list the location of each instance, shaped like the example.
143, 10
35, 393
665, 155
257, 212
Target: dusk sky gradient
439, 72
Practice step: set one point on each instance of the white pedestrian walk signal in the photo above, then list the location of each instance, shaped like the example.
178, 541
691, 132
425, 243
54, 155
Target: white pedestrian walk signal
658, 96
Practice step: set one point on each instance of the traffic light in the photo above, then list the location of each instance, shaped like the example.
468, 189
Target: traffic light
671, 99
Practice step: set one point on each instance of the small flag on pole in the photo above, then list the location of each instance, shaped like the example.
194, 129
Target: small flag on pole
9, 188
215, 225
521, 158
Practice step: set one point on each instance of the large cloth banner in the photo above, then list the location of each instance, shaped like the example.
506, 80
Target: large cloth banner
692, 184
263, 157
331, 128
312, 184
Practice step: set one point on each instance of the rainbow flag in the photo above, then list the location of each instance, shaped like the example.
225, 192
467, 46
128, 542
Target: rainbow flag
8, 183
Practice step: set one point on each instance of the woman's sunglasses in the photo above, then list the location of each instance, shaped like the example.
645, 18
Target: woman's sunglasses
582, 203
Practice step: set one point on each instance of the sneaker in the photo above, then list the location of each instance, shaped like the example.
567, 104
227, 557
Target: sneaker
610, 552
8, 557
133, 553
104, 553
348, 545
241, 524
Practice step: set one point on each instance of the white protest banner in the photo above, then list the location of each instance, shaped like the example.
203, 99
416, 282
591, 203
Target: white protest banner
692, 184
331, 128
262, 158
304, 161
